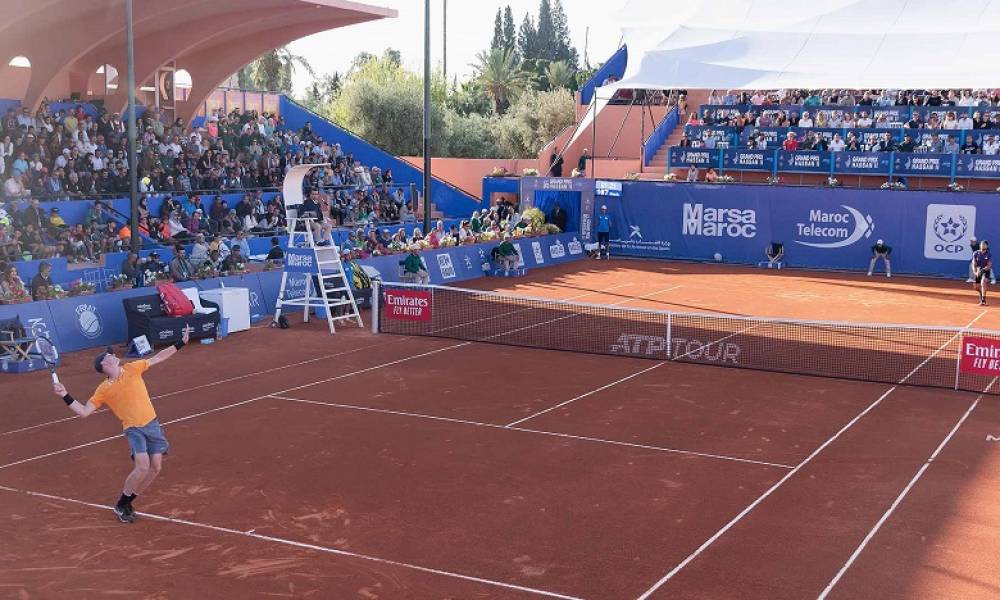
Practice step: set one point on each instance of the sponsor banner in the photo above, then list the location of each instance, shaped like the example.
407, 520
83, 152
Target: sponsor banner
804, 161
934, 165
949, 231
980, 356
748, 160
833, 229
407, 305
977, 165
861, 162
445, 266
536, 249
300, 260
699, 157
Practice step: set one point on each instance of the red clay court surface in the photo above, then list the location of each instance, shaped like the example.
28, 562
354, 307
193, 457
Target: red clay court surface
361, 466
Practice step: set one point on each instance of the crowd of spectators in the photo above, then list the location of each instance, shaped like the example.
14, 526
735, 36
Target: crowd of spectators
752, 110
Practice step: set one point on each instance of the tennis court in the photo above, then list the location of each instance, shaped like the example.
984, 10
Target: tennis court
409, 466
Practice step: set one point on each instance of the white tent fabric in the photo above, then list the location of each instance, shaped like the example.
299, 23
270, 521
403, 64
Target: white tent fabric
780, 44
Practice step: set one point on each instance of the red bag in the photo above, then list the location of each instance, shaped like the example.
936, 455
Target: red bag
175, 303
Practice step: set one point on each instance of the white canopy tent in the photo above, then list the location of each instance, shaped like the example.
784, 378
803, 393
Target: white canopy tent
781, 44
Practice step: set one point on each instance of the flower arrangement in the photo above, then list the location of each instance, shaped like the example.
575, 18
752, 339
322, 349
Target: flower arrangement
535, 216
774, 180
577, 173
54, 292
893, 185
272, 264
488, 236
499, 172
529, 172
18, 296
725, 179
206, 271
447, 242
670, 177
81, 288
956, 187
118, 282
551, 228
833, 182
632, 176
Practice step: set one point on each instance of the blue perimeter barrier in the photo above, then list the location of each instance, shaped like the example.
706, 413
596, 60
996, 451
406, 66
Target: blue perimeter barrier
930, 232
99, 320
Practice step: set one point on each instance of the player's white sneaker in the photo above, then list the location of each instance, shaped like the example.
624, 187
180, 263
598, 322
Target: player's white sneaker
869, 273
888, 274
970, 280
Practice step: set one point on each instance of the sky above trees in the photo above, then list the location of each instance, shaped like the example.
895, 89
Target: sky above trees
471, 28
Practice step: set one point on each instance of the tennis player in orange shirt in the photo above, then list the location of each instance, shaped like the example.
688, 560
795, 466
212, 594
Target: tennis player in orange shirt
124, 392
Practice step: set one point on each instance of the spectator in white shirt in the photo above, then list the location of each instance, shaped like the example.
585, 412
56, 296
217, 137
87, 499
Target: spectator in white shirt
837, 143
991, 146
805, 120
966, 99
965, 122
950, 122
864, 121
24, 119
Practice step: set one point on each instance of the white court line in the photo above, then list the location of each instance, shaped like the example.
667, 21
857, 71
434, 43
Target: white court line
603, 387
302, 545
386, 411
787, 476
214, 383
241, 403
288, 366
899, 499
935, 353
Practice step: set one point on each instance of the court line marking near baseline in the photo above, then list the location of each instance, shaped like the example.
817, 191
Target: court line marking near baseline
400, 413
288, 366
301, 545
732, 522
241, 403
899, 499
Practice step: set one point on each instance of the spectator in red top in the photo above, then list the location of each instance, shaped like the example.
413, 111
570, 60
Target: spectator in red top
791, 144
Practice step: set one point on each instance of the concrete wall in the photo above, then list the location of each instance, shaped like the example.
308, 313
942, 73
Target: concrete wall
467, 173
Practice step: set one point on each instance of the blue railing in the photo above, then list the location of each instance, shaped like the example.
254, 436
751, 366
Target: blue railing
659, 136
614, 67
897, 114
834, 163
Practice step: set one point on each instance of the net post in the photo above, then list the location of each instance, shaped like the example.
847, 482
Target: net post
670, 340
958, 359
376, 302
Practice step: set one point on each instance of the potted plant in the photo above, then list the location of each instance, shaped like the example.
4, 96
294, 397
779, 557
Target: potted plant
956, 187
499, 172
670, 177
529, 172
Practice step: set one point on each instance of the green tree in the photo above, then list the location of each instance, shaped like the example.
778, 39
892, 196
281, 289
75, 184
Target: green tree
527, 39
532, 121
509, 32
560, 75
393, 56
383, 103
470, 136
467, 98
360, 60
500, 77
564, 47
321, 92
497, 31
547, 45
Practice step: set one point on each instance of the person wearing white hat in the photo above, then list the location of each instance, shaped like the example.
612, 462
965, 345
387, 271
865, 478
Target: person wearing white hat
603, 229
883, 251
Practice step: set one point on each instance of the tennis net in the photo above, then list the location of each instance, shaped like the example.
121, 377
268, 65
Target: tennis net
893, 354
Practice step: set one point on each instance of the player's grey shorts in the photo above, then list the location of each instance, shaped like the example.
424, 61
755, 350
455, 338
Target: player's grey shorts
149, 439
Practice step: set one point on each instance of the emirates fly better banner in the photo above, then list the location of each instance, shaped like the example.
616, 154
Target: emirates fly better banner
980, 356
408, 305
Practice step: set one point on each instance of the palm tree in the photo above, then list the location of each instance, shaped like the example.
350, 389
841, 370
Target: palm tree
273, 70
500, 76
560, 75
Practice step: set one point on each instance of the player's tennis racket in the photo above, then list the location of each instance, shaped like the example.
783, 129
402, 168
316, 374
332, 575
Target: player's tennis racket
47, 350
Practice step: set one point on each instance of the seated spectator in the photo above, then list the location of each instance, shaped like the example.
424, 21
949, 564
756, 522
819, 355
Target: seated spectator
692, 175
907, 145
11, 285
507, 254
791, 144
775, 252
212, 264
886, 144
240, 241
413, 268
199, 251
991, 145
153, 264
275, 254
132, 270
181, 268
42, 285
970, 146
710, 175
236, 262
951, 146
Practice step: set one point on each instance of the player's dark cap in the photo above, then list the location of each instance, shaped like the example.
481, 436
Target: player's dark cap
100, 358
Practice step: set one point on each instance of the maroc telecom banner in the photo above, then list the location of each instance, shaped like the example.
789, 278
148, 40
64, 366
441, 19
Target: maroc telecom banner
820, 228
